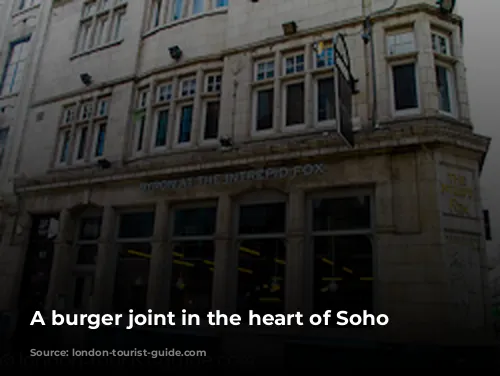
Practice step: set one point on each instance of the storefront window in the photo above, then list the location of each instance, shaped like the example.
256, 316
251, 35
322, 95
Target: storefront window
132, 271
193, 260
262, 258
343, 259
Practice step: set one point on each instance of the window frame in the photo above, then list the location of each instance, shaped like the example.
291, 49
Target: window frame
411, 111
165, 106
329, 123
96, 128
25, 42
180, 105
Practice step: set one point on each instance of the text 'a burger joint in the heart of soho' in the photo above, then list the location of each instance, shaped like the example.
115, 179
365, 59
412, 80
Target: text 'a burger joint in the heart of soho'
235, 177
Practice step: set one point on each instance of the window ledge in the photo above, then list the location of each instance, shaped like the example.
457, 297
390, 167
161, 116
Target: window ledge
18, 13
96, 49
409, 55
190, 18
452, 60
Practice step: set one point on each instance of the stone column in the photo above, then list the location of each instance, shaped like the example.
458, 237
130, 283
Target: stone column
296, 258
224, 292
160, 269
62, 263
102, 297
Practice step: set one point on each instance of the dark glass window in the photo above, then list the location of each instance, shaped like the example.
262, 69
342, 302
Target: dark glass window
265, 105
186, 124
100, 141
326, 99
262, 218
344, 213
212, 120
141, 122
261, 276
82, 143
161, 129
136, 225
443, 85
192, 276
87, 254
132, 274
343, 274
295, 102
405, 87
195, 221
65, 147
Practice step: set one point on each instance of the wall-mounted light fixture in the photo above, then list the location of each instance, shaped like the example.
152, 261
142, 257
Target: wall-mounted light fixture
175, 52
86, 79
289, 28
446, 6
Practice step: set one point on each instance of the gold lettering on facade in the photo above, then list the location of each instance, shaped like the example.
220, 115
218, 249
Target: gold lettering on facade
459, 194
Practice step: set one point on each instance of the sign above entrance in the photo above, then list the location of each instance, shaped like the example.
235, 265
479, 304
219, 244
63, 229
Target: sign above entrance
236, 177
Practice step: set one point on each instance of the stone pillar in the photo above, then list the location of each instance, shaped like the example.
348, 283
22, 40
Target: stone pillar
102, 297
224, 292
296, 258
62, 263
160, 269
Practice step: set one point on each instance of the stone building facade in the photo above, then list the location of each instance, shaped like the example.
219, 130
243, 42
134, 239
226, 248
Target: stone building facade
133, 201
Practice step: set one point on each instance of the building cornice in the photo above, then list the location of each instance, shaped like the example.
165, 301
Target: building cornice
391, 139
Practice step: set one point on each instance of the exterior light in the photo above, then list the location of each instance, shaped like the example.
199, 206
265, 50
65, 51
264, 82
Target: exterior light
175, 52
289, 28
86, 79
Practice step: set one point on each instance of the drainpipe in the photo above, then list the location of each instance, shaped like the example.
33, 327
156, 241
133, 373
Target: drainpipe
368, 38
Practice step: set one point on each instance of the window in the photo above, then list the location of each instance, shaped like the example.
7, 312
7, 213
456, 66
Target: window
155, 13
102, 107
262, 258
343, 259
25, 4
193, 259
81, 142
132, 271
63, 146
404, 84
403, 72
69, 115
185, 124
198, 6
487, 224
221, 3
325, 100
85, 111
264, 96
445, 77
101, 23
188, 87
14, 69
4, 132
164, 93
99, 140
140, 121
178, 10
264, 70
160, 140
212, 111
213, 83
294, 64
323, 55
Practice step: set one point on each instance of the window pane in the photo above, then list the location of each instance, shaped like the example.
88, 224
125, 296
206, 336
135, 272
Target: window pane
261, 276
192, 276
262, 218
295, 104
405, 87
87, 254
178, 8
212, 120
326, 99
346, 213
90, 228
101, 138
140, 132
265, 103
195, 222
161, 129
197, 6
82, 142
131, 281
443, 85
343, 274
136, 225
186, 122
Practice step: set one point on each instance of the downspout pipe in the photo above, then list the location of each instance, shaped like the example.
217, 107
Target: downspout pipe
368, 38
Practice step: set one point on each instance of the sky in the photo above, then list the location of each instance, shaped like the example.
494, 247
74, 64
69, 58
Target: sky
482, 59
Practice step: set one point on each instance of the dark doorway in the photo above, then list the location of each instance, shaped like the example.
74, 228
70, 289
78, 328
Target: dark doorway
36, 275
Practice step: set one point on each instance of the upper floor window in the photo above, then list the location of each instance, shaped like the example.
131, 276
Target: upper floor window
263, 96
198, 6
4, 132
178, 10
14, 68
101, 23
188, 87
294, 64
403, 72
293, 90
445, 72
140, 121
213, 83
441, 43
26, 4
221, 3
323, 56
